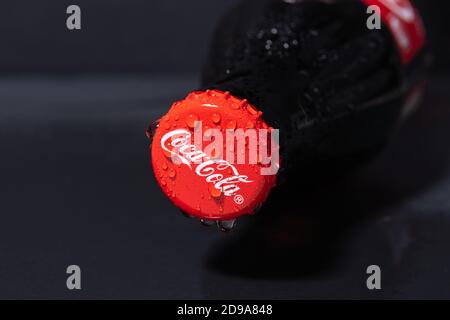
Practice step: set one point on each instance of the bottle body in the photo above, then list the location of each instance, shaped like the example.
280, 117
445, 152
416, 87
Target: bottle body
333, 87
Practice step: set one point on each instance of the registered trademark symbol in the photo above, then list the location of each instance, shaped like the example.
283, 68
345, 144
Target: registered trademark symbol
238, 199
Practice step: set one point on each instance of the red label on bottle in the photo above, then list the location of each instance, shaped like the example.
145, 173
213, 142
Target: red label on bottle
405, 23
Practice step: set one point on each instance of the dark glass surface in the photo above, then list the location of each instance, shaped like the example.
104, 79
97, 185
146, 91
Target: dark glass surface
77, 188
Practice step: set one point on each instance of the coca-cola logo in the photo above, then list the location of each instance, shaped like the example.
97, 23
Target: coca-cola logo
178, 144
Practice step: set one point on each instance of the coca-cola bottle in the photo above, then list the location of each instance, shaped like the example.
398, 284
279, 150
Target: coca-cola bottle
318, 83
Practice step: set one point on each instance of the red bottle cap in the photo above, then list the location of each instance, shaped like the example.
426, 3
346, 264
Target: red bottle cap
206, 178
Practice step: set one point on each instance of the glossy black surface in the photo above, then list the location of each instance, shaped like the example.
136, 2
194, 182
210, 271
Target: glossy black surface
76, 188
137, 36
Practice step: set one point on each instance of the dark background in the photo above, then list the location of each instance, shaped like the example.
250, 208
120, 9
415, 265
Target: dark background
76, 185
136, 36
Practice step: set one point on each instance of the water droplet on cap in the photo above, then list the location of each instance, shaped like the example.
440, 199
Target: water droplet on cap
231, 124
190, 120
207, 223
252, 110
244, 103
216, 118
215, 193
207, 133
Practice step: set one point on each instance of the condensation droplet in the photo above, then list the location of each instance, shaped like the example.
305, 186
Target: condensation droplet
216, 118
164, 166
250, 125
207, 223
190, 120
207, 133
226, 226
172, 173
231, 124
163, 182
213, 191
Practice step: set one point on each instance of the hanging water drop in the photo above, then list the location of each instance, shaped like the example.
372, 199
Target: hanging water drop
251, 109
226, 226
207, 223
